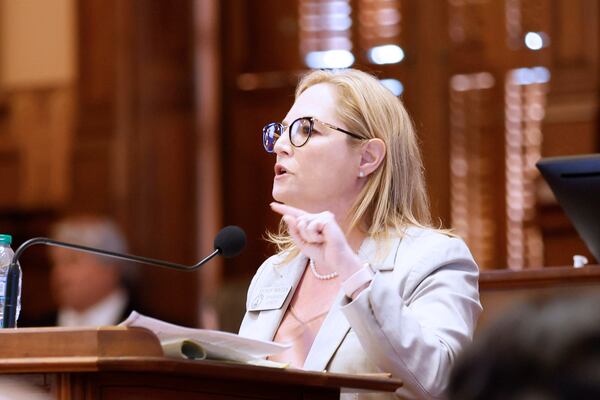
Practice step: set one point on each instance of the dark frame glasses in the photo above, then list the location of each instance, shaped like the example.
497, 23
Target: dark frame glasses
299, 132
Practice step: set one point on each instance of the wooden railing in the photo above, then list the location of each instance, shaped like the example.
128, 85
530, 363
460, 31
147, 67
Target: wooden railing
503, 289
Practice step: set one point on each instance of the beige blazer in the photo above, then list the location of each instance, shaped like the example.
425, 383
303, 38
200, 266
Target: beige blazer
419, 311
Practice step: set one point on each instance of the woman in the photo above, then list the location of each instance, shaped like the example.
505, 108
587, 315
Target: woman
361, 283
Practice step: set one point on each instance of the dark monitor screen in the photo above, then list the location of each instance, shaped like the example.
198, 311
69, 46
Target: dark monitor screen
575, 182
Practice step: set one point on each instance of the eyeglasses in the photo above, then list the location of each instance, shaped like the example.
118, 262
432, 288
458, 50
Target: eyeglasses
299, 131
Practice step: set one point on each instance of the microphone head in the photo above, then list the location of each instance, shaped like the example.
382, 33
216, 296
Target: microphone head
230, 241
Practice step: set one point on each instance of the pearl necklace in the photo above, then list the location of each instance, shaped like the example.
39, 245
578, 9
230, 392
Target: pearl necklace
317, 275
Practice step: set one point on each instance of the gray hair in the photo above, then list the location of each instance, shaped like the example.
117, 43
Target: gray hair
91, 231
99, 232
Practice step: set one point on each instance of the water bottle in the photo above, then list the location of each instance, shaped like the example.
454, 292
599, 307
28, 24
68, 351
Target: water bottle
6, 256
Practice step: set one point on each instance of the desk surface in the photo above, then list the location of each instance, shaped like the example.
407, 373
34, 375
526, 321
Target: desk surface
206, 369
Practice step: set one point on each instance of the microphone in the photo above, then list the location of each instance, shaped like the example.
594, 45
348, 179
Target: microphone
229, 242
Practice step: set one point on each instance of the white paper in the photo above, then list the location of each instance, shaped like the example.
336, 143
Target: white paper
218, 345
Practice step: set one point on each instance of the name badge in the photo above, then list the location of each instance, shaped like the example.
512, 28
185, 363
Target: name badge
269, 298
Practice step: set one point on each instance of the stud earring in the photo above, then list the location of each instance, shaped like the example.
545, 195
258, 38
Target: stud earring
361, 174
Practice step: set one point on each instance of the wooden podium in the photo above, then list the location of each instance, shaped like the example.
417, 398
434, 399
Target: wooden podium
128, 363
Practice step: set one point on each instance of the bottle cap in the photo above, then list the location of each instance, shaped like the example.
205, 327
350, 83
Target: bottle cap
5, 239
579, 261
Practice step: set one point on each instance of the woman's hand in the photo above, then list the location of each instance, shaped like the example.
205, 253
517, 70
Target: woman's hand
320, 238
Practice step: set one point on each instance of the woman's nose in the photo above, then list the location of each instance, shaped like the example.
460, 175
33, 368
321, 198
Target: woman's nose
283, 145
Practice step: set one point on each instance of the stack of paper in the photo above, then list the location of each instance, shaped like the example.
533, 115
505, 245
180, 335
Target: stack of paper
199, 344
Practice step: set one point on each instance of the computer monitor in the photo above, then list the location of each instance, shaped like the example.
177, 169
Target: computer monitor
575, 181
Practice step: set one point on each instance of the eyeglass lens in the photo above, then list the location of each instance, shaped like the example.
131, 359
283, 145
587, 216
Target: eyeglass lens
300, 131
271, 133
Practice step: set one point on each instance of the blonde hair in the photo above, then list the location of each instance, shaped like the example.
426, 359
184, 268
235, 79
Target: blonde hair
395, 196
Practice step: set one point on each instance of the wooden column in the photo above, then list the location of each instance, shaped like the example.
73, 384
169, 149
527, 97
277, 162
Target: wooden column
135, 148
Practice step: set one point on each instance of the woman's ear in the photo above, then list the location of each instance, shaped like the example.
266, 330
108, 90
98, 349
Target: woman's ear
372, 154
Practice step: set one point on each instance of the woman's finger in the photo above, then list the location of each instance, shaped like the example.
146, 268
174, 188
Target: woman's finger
311, 227
294, 232
292, 227
314, 230
301, 223
289, 221
302, 226
284, 209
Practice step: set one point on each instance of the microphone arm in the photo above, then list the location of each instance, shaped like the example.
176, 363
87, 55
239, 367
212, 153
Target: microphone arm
111, 254
14, 274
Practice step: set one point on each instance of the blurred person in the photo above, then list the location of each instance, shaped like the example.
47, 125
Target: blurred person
543, 349
90, 290
362, 281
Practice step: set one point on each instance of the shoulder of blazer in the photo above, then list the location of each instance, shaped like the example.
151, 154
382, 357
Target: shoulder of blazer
423, 251
413, 243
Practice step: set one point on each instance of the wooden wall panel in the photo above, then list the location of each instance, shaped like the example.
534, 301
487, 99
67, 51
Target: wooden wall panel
91, 178
134, 150
155, 110
37, 119
9, 173
97, 58
572, 121
427, 97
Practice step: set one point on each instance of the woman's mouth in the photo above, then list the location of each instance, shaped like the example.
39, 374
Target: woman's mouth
280, 170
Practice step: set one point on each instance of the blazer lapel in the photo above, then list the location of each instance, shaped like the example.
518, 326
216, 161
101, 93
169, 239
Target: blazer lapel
330, 336
336, 326
389, 262
285, 275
